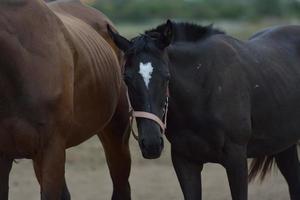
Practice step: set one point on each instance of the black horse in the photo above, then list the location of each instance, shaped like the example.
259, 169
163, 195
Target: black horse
229, 100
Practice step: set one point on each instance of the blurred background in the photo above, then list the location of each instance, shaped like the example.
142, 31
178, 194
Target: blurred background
238, 17
86, 169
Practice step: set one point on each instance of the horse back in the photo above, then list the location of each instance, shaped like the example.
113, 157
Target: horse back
97, 20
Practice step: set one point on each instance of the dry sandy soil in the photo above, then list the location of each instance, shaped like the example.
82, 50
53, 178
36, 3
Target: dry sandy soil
88, 178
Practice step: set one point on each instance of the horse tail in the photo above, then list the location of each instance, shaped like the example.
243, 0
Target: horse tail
260, 166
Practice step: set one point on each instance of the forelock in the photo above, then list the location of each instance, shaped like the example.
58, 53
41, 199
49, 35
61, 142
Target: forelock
140, 43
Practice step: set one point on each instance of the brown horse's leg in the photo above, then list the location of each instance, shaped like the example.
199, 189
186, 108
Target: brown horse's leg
118, 160
5, 167
50, 168
65, 194
114, 139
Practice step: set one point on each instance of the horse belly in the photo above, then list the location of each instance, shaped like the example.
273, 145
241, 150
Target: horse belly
275, 116
93, 111
275, 137
195, 147
95, 100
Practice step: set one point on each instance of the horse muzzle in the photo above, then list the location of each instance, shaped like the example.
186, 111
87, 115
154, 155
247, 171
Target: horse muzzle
150, 139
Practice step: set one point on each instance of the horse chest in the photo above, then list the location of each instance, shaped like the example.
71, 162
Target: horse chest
195, 146
19, 138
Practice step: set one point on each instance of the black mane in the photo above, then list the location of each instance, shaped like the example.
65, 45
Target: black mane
184, 31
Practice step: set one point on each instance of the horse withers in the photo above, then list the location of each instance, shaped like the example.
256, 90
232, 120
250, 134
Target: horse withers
229, 100
60, 85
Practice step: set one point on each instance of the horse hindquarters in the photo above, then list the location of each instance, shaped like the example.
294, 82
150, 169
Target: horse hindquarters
288, 164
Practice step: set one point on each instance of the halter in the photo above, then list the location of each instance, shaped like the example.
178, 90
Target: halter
147, 115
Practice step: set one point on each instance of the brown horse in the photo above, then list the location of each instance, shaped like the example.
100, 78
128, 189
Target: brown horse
60, 84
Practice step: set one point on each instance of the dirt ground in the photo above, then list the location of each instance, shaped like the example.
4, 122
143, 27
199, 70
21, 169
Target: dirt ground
88, 178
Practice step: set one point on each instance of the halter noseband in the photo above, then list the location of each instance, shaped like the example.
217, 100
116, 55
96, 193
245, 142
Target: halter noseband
147, 115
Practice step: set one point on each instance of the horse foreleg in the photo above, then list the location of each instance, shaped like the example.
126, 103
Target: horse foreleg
65, 194
5, 167
119, 163
235, 163
50, 167
288, 164
189, 176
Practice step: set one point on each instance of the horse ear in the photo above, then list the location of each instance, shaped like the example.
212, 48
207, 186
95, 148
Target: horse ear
121, 42
167, 33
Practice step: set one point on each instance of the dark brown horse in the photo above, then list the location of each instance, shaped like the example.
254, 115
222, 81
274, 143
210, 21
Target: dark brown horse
229, 100
60, 84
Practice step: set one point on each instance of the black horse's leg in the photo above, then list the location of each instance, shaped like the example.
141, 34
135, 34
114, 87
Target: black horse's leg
288, 164
235, 163
189, 176
5, 167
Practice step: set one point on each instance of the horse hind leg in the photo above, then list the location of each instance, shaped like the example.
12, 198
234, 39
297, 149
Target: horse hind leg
5, 167
115, 141
118, 159
119, 164
288, 164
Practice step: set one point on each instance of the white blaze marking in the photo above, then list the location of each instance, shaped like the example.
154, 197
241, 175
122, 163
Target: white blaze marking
146, 71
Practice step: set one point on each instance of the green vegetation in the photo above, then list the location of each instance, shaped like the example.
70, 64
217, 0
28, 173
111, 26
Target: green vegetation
241, 29
147, 10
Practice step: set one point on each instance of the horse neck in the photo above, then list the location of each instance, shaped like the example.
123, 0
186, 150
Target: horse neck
193, 33
188, 56
190, 69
